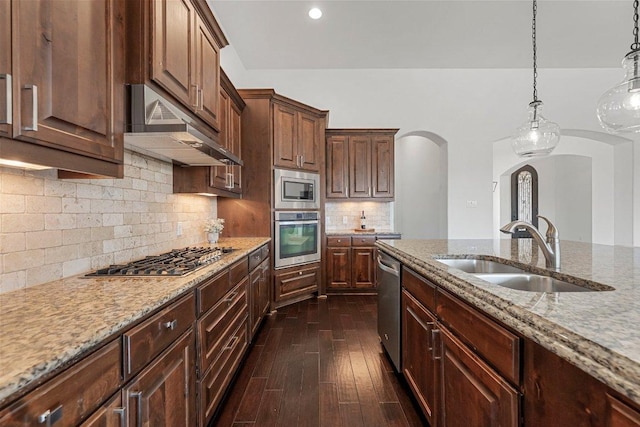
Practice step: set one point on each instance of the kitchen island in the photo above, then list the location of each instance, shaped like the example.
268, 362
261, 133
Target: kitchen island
594, 331
46, 328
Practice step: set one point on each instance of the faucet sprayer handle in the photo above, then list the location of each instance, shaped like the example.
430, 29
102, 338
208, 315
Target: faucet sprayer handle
552, 231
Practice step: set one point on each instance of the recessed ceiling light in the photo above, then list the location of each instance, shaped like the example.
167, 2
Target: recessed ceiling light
315, 13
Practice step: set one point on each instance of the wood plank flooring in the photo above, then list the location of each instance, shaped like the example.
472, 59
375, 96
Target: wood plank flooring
319, 363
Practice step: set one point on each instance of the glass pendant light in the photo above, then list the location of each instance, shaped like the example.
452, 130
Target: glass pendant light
538, 136
619, 108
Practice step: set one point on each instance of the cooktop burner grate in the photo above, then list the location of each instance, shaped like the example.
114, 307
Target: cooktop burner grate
177, 262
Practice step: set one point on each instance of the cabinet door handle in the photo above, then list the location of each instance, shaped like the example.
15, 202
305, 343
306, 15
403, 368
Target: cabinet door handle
302, 160
229, 180
121, 413
434, 336
196, 105
8, 93
34, 112
171, 325
200, 94
50, 417
430, 325
138, 396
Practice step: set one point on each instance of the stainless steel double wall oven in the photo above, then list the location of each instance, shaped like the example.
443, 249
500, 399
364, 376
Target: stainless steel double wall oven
297, 232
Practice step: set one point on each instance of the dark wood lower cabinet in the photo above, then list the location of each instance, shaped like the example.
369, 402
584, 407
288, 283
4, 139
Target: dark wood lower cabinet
73, 395
295, 283
111, 414
364, 268
163, 394
259, 285
558, 393
473, 395
419, 365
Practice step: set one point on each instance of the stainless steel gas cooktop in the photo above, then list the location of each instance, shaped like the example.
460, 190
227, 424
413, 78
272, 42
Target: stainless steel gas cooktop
177, 262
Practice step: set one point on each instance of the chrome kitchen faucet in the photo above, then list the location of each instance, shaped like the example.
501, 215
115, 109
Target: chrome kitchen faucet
550, 247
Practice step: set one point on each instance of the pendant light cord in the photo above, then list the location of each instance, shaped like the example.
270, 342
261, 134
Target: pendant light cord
635, 45
535, 48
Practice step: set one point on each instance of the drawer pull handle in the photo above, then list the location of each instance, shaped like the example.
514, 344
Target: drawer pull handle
232, 296
51, 417
299, 273
8, 109
339, 241
171, 325
232, 343
34, 107
138, 396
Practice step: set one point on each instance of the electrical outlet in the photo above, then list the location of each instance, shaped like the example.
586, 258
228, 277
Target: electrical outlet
344, 219
179, 229
472, 203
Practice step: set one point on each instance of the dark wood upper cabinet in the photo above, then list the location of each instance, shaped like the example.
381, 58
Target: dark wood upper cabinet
67, 96
296, 139
360, 164
221, 180
337, 167
207, 74
6, 114
309, 142
174, 45
382, 161
172, 49
360, 167
285, 143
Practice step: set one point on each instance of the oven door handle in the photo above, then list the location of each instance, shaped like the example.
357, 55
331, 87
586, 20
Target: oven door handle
314, 221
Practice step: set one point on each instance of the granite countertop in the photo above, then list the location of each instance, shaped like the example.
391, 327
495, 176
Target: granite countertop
45, 327
596, 331
352, 232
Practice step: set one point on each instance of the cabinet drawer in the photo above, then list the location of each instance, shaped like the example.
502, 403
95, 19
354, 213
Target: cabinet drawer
493, 342
214, 327
71, 396
147, 340
363, 240
339, 241
299, 282
214, 383
258, 256
238, 271
210, 292
420, 288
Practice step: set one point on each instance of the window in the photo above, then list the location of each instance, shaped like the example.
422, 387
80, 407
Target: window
524, 198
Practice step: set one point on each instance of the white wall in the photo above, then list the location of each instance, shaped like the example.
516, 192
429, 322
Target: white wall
421, 188
469, 108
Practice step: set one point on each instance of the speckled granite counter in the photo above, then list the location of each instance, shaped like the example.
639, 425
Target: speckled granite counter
596, 331
45, 327
383, 234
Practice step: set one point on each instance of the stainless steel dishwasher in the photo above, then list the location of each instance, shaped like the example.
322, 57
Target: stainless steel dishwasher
389, 291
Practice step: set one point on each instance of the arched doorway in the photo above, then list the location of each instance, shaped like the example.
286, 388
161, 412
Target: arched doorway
420, 210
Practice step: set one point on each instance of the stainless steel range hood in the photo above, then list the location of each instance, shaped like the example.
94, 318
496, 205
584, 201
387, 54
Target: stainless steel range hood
159, 129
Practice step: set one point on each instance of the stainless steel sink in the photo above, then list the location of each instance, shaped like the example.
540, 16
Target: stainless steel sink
532, 283
479, 266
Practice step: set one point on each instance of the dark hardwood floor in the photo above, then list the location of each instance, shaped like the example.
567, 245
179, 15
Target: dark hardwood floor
319, 363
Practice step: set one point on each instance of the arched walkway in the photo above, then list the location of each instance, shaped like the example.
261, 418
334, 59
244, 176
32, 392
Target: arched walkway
420, 210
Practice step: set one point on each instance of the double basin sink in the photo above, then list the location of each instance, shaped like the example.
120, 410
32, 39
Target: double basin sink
515, 278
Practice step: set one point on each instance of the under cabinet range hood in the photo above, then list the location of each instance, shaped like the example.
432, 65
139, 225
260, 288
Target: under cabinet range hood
159, 129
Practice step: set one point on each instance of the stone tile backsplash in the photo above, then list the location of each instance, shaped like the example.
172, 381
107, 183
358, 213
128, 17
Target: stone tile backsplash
379, 215
52, 228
